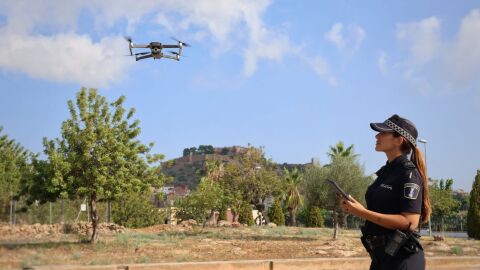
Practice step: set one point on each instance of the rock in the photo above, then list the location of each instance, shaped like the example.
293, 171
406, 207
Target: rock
238, 251
224, 223
236, 224
271, 225
438, 238
190, 222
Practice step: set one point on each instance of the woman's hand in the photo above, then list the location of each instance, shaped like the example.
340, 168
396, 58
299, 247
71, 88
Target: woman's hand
352, 207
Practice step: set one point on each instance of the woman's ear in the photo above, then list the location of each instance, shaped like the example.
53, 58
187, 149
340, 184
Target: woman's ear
399, 140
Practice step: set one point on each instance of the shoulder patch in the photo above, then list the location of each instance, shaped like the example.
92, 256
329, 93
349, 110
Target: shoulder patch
411, 190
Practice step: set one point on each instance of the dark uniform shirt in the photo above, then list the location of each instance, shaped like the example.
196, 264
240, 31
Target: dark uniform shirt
398, 188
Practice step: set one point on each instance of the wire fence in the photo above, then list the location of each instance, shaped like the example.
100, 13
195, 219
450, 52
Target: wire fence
61, 211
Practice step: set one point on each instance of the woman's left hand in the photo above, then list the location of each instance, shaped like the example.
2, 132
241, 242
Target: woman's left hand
352, 206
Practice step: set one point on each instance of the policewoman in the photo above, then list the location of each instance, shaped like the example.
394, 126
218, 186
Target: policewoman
397, 201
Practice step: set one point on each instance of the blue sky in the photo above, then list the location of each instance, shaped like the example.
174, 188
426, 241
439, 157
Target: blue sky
292, 76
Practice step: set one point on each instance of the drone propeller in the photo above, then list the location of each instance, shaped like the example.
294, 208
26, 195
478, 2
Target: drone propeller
142, 53
130, 42
175, 53
181, 42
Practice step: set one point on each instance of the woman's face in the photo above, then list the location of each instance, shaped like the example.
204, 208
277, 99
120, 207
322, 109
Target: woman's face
386, 142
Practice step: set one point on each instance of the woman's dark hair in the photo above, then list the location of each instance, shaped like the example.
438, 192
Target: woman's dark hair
417, 158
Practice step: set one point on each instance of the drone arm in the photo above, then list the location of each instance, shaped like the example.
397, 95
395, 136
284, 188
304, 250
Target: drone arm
174, 57
171, 46
139, 46
143, 57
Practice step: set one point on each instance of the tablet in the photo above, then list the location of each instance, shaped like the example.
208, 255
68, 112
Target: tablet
339, 190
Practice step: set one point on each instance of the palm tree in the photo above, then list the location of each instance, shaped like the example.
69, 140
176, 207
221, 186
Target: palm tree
339, 150
293, 197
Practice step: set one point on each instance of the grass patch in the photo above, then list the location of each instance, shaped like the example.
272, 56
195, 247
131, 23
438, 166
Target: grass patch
101, 261
76, 256
143, 259
457, 250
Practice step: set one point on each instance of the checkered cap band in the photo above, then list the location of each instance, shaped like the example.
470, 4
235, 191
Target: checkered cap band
401, 131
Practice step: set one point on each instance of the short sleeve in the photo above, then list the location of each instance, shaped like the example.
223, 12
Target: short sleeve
411, 191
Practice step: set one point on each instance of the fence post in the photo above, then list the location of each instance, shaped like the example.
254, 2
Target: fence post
50, 211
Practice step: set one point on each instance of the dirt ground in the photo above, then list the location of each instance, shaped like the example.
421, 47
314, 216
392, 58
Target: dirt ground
169, 243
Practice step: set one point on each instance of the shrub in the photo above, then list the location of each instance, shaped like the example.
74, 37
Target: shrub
136, 211
245, 215
275, 213
473, 216
314, 217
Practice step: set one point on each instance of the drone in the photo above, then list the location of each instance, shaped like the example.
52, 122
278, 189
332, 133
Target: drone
156, 50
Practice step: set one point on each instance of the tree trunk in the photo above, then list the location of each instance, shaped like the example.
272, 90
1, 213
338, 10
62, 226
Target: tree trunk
62, 209
293, 217
335, 225
14, 212
11, 208
345, 221
94, 218
109, 211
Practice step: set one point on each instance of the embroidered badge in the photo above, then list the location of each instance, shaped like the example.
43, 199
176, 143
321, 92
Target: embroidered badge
411, 190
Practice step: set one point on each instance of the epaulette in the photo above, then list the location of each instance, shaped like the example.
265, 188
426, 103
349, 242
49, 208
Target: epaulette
408, 164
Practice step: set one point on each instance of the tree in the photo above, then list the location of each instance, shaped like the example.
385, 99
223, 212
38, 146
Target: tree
15, 168
349, 175
276, 213
293, 197
207, 198
443, 203
473, 216
339, 150
314, 217
98, 155
252, 179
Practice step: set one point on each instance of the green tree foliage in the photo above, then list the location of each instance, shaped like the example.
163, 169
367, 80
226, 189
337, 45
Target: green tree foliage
443, 203
98, 155
314, 217
207, 198
349, 175
473, 216
135, 210
339, 150
201, 150
15, 168
251, 179
245, 215
292, 193
275, 213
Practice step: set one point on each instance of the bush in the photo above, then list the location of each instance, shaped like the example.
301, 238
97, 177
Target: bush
245, 215
314, 217
223, 214
275, 213
473, 216
136, 211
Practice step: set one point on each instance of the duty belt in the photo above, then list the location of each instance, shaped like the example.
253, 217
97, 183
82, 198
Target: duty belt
372, 242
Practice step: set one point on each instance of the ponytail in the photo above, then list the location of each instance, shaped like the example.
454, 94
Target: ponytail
417, 158
419, 161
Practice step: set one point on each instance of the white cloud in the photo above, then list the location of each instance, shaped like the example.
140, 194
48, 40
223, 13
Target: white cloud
423, 38
463, 56
320, 66
235, 25
441, 65
382, 62
346, 40
65, 58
